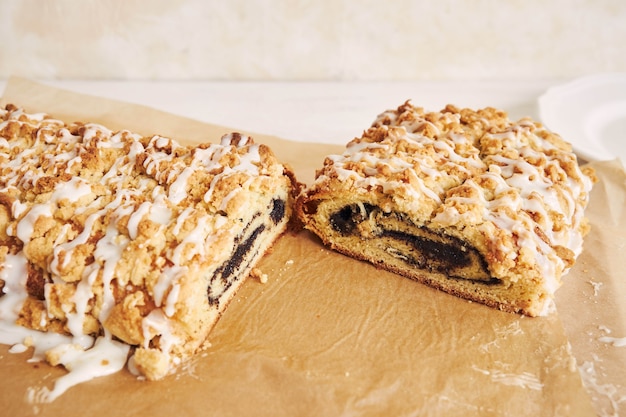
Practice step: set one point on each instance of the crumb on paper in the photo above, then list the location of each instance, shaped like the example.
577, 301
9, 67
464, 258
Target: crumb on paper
596, 287
258, 274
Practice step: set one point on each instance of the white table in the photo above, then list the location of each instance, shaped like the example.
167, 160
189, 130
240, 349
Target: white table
327, 112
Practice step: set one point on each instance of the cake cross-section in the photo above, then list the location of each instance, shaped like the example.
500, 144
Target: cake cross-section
465, 201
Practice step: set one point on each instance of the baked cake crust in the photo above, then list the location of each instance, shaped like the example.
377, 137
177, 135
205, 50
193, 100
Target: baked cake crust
466, 201
132, 238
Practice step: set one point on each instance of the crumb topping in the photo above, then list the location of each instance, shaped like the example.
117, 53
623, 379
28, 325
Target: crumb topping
106, 225
516, 182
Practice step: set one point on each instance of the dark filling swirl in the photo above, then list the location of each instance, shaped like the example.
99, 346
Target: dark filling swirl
418, 246
246, 250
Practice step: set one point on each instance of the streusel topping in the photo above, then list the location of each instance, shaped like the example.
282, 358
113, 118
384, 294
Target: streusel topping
515, 181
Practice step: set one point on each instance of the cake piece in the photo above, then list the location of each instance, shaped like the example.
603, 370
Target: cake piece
465, 201
114, 239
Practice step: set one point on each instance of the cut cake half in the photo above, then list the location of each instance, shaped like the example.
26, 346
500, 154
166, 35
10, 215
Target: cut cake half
465, 201
126, 243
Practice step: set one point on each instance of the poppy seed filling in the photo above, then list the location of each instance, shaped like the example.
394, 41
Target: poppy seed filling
418, 246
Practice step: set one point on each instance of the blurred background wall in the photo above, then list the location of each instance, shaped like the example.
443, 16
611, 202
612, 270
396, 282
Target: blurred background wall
311, 40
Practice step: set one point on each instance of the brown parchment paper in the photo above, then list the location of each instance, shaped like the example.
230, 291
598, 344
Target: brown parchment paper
328, 335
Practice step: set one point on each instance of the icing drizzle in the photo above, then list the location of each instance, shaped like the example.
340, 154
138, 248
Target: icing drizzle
78, 199
514, 181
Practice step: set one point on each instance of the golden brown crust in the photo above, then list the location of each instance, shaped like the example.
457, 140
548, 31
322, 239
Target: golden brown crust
473, 179
135, 237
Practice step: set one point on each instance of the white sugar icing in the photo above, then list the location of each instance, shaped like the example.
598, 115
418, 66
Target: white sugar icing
117, 213
536, 192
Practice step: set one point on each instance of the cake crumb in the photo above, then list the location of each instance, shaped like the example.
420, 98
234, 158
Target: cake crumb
596, 287
28, 341
258, 274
